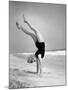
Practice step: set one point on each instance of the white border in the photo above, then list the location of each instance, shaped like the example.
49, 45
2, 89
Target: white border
4, 43
45, 1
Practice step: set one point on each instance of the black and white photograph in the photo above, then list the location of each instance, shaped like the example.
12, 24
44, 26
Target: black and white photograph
37, 44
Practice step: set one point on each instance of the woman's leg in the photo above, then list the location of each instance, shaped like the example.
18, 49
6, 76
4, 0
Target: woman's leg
26, 32
37, 33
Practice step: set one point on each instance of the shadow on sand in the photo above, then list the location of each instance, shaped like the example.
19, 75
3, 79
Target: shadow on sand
29, 72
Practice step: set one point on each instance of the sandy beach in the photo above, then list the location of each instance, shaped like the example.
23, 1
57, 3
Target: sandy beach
22, 74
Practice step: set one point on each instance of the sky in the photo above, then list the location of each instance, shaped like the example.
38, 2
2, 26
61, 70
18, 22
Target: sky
49, 19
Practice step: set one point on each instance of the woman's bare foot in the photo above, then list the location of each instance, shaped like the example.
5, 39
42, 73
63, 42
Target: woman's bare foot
24, 19
17, 24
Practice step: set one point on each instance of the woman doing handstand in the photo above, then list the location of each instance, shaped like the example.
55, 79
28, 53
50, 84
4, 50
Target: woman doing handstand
39, 42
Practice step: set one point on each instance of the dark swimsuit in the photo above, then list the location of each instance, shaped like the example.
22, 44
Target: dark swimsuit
41, 49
